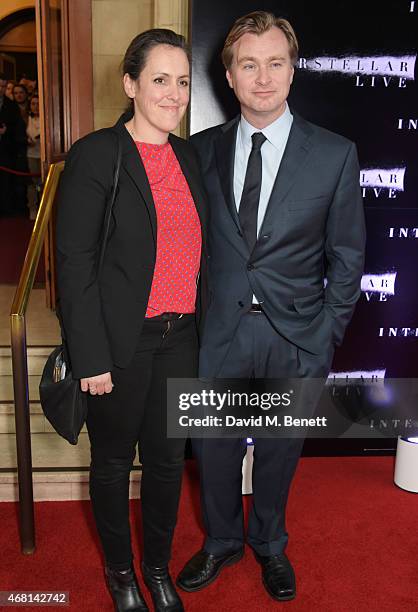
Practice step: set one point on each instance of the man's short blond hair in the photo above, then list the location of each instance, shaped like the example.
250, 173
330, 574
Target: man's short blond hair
259, 22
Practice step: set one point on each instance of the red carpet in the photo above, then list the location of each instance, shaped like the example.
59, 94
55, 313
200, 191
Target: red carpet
15, 233
353, 542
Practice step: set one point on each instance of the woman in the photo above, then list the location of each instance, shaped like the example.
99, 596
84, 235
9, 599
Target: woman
33, 131
9, 90
134, 327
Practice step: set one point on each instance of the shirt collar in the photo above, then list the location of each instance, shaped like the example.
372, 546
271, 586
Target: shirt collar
275, 132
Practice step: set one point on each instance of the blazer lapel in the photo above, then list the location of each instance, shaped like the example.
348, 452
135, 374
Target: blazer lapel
225, 156
132, 163
297, 148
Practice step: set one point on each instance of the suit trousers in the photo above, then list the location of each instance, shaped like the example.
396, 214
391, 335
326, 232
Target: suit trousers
134, 413
256, 351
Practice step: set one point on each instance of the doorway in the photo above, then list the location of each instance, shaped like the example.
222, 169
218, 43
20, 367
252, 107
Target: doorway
20, 172
50, 47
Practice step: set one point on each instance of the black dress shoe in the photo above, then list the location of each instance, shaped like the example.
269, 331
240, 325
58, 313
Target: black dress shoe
125, 591
204, 568
278, 576
163, 593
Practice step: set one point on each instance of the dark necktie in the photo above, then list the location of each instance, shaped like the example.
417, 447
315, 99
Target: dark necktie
248, 208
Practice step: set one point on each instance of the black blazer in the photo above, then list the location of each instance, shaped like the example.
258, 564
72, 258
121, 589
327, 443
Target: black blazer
102, 319
13, 141
313, 229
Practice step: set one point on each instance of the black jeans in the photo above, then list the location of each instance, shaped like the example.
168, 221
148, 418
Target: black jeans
135, 413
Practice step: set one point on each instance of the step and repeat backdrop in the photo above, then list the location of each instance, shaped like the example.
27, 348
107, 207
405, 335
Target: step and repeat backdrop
357, 76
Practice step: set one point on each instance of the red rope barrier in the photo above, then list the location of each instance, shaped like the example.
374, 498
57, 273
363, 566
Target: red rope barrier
18, 172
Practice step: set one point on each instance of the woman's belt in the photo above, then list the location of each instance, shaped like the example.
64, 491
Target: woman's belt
166, 316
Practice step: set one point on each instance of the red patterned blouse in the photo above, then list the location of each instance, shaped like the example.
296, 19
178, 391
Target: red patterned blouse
179, 240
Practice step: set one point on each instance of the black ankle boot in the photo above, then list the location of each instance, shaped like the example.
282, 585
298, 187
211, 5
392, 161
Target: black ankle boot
162, 590
125, 591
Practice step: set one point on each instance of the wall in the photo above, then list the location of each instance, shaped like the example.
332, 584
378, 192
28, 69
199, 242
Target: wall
115, 23
11, 6
173, 14
21, 38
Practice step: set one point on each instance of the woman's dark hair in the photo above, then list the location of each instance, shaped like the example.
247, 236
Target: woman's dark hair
35, 95
137, 53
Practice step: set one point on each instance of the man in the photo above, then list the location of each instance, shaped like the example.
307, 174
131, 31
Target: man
20, 96
286, 213
29, 84
12, 146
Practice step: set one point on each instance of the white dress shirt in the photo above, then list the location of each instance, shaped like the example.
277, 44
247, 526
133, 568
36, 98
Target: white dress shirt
272, 151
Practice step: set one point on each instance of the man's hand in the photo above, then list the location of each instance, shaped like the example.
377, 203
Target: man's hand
3, 129
97, 385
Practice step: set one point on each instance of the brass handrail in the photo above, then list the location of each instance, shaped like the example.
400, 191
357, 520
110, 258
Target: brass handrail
20, 360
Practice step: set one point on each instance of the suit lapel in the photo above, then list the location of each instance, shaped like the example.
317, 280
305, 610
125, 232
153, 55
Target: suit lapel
225, 156
297, 148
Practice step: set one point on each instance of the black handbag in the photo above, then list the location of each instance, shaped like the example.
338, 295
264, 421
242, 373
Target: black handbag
63, 402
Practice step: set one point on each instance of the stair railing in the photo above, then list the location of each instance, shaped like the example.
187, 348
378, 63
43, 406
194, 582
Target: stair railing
20, 360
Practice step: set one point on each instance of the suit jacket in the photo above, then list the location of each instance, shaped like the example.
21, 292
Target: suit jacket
313, 229
102, 318
13, 141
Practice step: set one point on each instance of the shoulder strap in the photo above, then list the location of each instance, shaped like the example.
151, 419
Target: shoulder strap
109, 207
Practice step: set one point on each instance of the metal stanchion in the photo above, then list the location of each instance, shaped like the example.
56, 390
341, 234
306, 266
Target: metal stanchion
23, 440
20, 362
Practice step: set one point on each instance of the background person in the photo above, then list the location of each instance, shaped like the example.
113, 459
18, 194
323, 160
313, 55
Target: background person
20, 95
12, 150
30, 84
33, 132
286, 213
20, 183
9, 89
134, 327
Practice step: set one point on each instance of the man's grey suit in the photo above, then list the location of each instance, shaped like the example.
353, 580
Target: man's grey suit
313, 230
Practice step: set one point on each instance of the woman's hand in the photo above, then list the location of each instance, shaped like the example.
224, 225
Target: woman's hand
97, 385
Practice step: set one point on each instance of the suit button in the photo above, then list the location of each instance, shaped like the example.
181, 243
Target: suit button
241, 304
265, 237
250, 267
